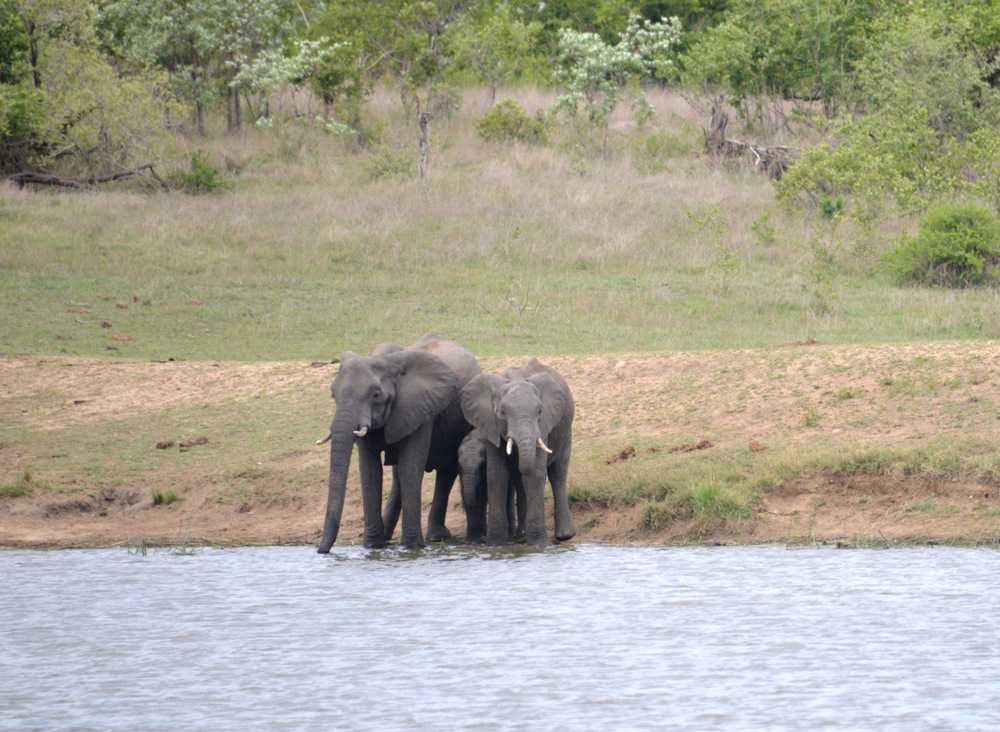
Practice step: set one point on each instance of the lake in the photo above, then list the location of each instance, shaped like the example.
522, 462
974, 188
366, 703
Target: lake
578, 637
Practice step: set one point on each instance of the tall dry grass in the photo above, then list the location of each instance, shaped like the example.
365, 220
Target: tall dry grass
514, 249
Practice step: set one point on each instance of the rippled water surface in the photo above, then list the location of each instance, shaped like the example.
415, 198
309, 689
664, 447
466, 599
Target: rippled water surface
575, 638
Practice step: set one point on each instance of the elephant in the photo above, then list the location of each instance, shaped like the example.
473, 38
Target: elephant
526, 418
472, 475
405, 403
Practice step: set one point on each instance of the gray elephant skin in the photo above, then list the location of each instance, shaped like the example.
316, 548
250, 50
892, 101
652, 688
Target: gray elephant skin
526, 418
403, 403
472, 475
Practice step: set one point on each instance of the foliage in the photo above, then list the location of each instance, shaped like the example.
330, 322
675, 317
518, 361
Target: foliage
598, 76
507, 122
783, 49
386, 163
956, 246
208, 47
165, 498
926, 125
498, 46
203, 177
64, 105
405, 43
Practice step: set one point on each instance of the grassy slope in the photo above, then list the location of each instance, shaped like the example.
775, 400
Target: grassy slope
511, 251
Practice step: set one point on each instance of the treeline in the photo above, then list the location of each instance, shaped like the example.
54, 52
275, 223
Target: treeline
900, 94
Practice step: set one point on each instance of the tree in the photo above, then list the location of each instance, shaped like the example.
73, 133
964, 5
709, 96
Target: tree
203, 45
69, 107
784, 50
598, 76
497, 46
923, 124
405, 43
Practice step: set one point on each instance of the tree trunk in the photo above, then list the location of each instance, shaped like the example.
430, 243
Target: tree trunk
422, 142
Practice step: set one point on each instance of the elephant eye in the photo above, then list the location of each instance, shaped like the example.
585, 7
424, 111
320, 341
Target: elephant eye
502, 412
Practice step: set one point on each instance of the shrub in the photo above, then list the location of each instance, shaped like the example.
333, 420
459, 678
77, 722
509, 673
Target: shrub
384, 163
204, 177
23, 486
507, 122
956, 246
161, 498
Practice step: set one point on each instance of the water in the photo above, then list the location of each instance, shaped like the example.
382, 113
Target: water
579, 638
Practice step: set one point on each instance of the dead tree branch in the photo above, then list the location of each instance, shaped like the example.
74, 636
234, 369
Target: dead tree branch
773, 161
45, 179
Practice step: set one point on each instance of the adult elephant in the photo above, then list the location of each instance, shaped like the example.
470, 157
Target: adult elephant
526, 417
403, 402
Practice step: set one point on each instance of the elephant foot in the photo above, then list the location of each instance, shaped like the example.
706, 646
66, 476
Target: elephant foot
437, 533
413, 542
565, 535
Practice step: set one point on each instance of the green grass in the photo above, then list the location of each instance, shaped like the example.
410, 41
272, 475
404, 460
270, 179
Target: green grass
165, 498
507, 250
23, 485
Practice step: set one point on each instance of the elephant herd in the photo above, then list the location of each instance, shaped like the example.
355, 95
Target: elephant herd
430, 407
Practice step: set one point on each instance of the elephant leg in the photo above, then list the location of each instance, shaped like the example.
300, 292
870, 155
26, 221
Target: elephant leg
475, 515
370, 467
534, 492
444, 479
512, 523
558, 472
497, 485
393, 504
413, 452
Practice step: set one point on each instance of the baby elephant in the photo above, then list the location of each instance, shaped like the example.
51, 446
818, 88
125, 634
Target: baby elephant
472, 474
525, 416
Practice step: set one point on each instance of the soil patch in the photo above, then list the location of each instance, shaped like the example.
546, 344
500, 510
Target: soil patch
109, 452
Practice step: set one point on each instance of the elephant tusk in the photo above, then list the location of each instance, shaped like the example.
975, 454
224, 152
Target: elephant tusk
541, 444
361, 432
325, 439
510, 445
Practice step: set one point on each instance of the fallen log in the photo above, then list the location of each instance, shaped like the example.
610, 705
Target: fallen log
47, 179
773, 161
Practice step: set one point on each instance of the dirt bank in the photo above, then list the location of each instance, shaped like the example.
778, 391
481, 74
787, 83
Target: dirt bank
95, 447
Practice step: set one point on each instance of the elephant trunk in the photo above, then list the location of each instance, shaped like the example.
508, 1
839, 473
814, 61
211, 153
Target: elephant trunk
531, 458
342, 433
470, 483
525, 436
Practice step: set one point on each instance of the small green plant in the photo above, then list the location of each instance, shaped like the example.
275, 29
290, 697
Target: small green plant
656, 516
384, 163
715, 499
23, 486
764, 231
831, 207
956, 246
203, 177
165, 498
506, 121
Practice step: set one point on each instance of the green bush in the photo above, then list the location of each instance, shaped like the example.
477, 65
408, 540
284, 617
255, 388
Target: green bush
384, 163
204, 177
507, 122
161, 498
956, 246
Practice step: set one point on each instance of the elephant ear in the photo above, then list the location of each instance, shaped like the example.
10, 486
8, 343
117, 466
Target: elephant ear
554, 401
477, 406
425, 386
